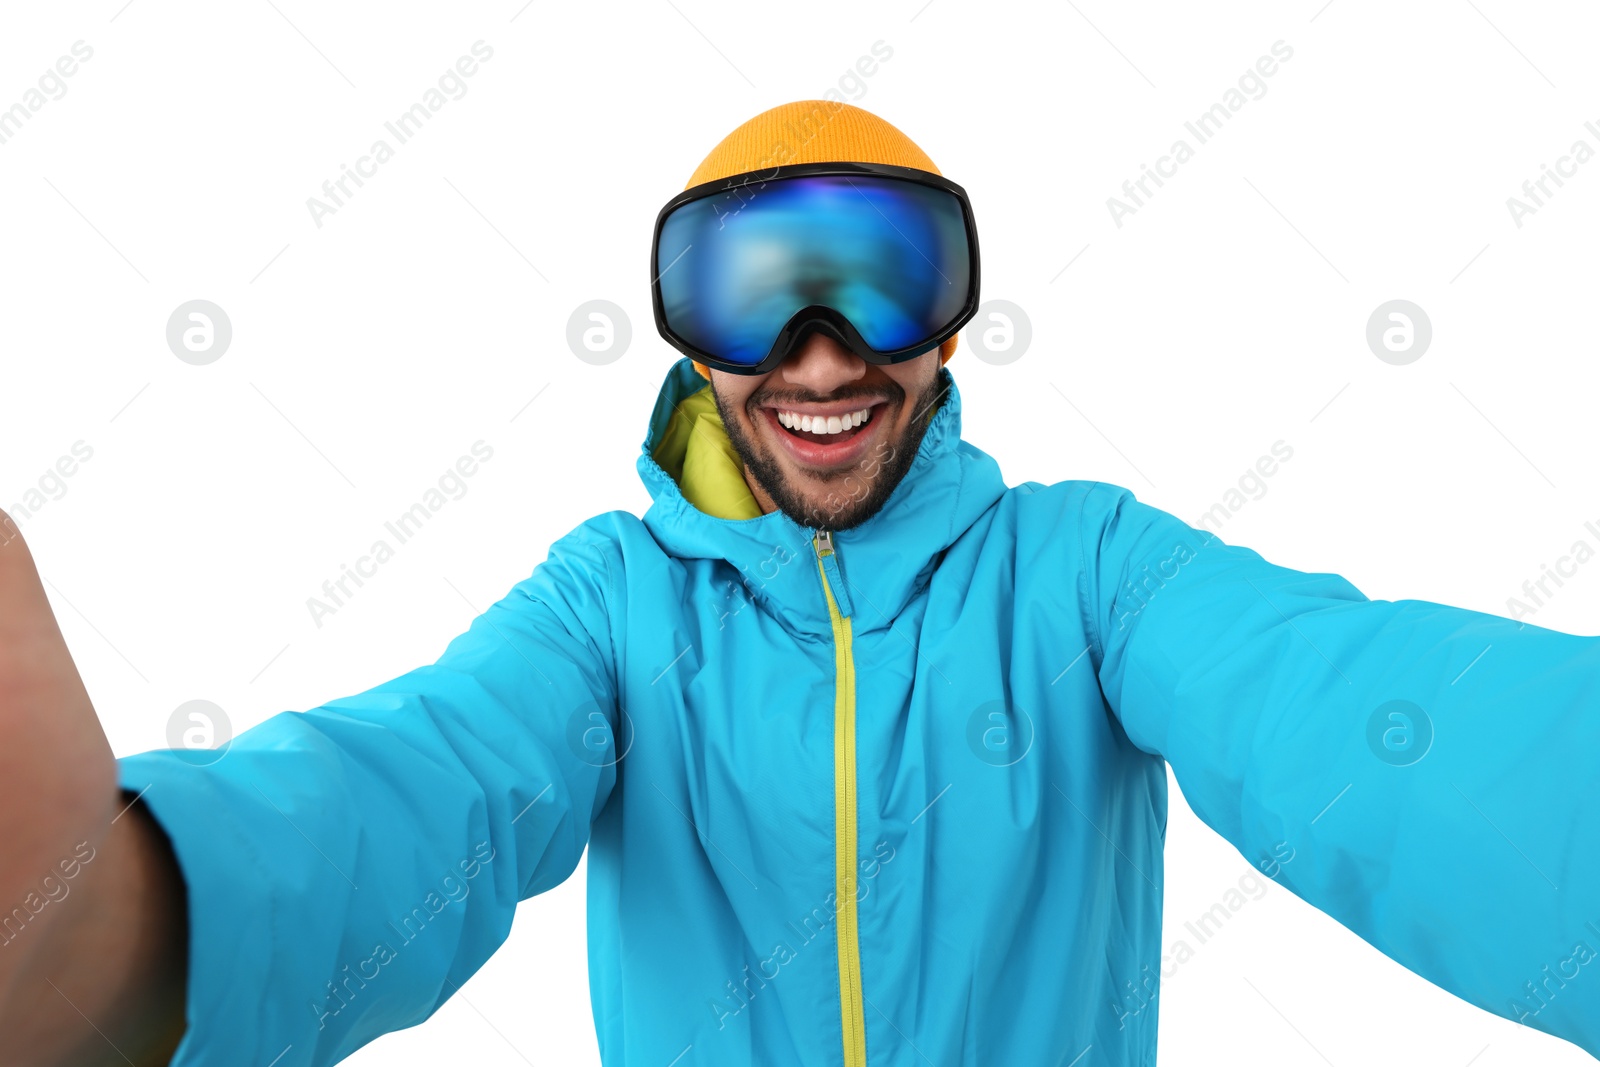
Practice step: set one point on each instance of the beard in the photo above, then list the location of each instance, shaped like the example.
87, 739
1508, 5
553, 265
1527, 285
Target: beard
853, 494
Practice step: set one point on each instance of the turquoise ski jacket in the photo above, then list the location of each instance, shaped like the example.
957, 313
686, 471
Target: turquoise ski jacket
897, 795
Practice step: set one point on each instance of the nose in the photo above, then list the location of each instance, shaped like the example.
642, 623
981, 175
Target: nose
822, 365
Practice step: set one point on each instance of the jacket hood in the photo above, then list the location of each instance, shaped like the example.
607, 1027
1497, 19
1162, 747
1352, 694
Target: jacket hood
884, 562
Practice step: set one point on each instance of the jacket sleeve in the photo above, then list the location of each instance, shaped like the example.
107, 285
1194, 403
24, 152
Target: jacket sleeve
348, 867
1427, 775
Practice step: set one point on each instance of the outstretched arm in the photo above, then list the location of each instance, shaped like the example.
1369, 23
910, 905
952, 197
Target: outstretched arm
348, 867
1433, 769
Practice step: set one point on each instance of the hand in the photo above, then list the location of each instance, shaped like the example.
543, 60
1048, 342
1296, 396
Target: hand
88, 887
57, 775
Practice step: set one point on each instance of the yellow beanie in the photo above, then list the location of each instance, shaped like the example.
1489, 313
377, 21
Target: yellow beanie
812, 131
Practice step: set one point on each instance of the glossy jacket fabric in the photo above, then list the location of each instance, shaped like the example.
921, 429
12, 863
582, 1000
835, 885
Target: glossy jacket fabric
1021, 661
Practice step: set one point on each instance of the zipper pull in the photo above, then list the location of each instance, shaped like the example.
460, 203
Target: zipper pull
828, 560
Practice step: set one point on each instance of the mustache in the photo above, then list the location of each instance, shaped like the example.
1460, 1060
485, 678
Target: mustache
889, 390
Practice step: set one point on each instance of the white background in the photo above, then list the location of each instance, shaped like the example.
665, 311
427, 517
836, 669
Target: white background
368, 354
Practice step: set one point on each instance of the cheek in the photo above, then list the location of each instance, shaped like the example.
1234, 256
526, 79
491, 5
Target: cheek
733, 390
915, 375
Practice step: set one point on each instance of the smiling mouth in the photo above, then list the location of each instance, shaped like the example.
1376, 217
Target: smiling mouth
824, 429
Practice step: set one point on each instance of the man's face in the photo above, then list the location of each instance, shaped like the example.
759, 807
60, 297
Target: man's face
865, 423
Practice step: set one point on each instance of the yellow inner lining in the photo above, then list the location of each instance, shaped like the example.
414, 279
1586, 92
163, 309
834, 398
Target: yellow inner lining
696, 452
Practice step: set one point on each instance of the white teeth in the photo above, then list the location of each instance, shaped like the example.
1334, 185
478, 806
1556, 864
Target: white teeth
824, 424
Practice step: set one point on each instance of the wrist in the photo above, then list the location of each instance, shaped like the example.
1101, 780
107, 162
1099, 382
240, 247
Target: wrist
103, 981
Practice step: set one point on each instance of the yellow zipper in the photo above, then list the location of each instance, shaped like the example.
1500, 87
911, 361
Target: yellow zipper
844, 805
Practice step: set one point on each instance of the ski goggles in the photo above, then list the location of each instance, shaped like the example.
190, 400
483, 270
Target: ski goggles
882, 258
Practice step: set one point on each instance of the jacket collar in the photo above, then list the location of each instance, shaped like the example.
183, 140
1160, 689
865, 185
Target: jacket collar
884, 562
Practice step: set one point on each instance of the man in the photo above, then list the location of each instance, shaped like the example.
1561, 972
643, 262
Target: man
867, 748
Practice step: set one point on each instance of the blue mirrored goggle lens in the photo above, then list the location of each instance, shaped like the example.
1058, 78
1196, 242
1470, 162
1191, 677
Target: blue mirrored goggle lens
889, 255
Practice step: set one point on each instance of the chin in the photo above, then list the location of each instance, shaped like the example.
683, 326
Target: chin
839, 502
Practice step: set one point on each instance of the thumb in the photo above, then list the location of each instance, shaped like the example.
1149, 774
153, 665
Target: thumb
34, 661
50, 736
